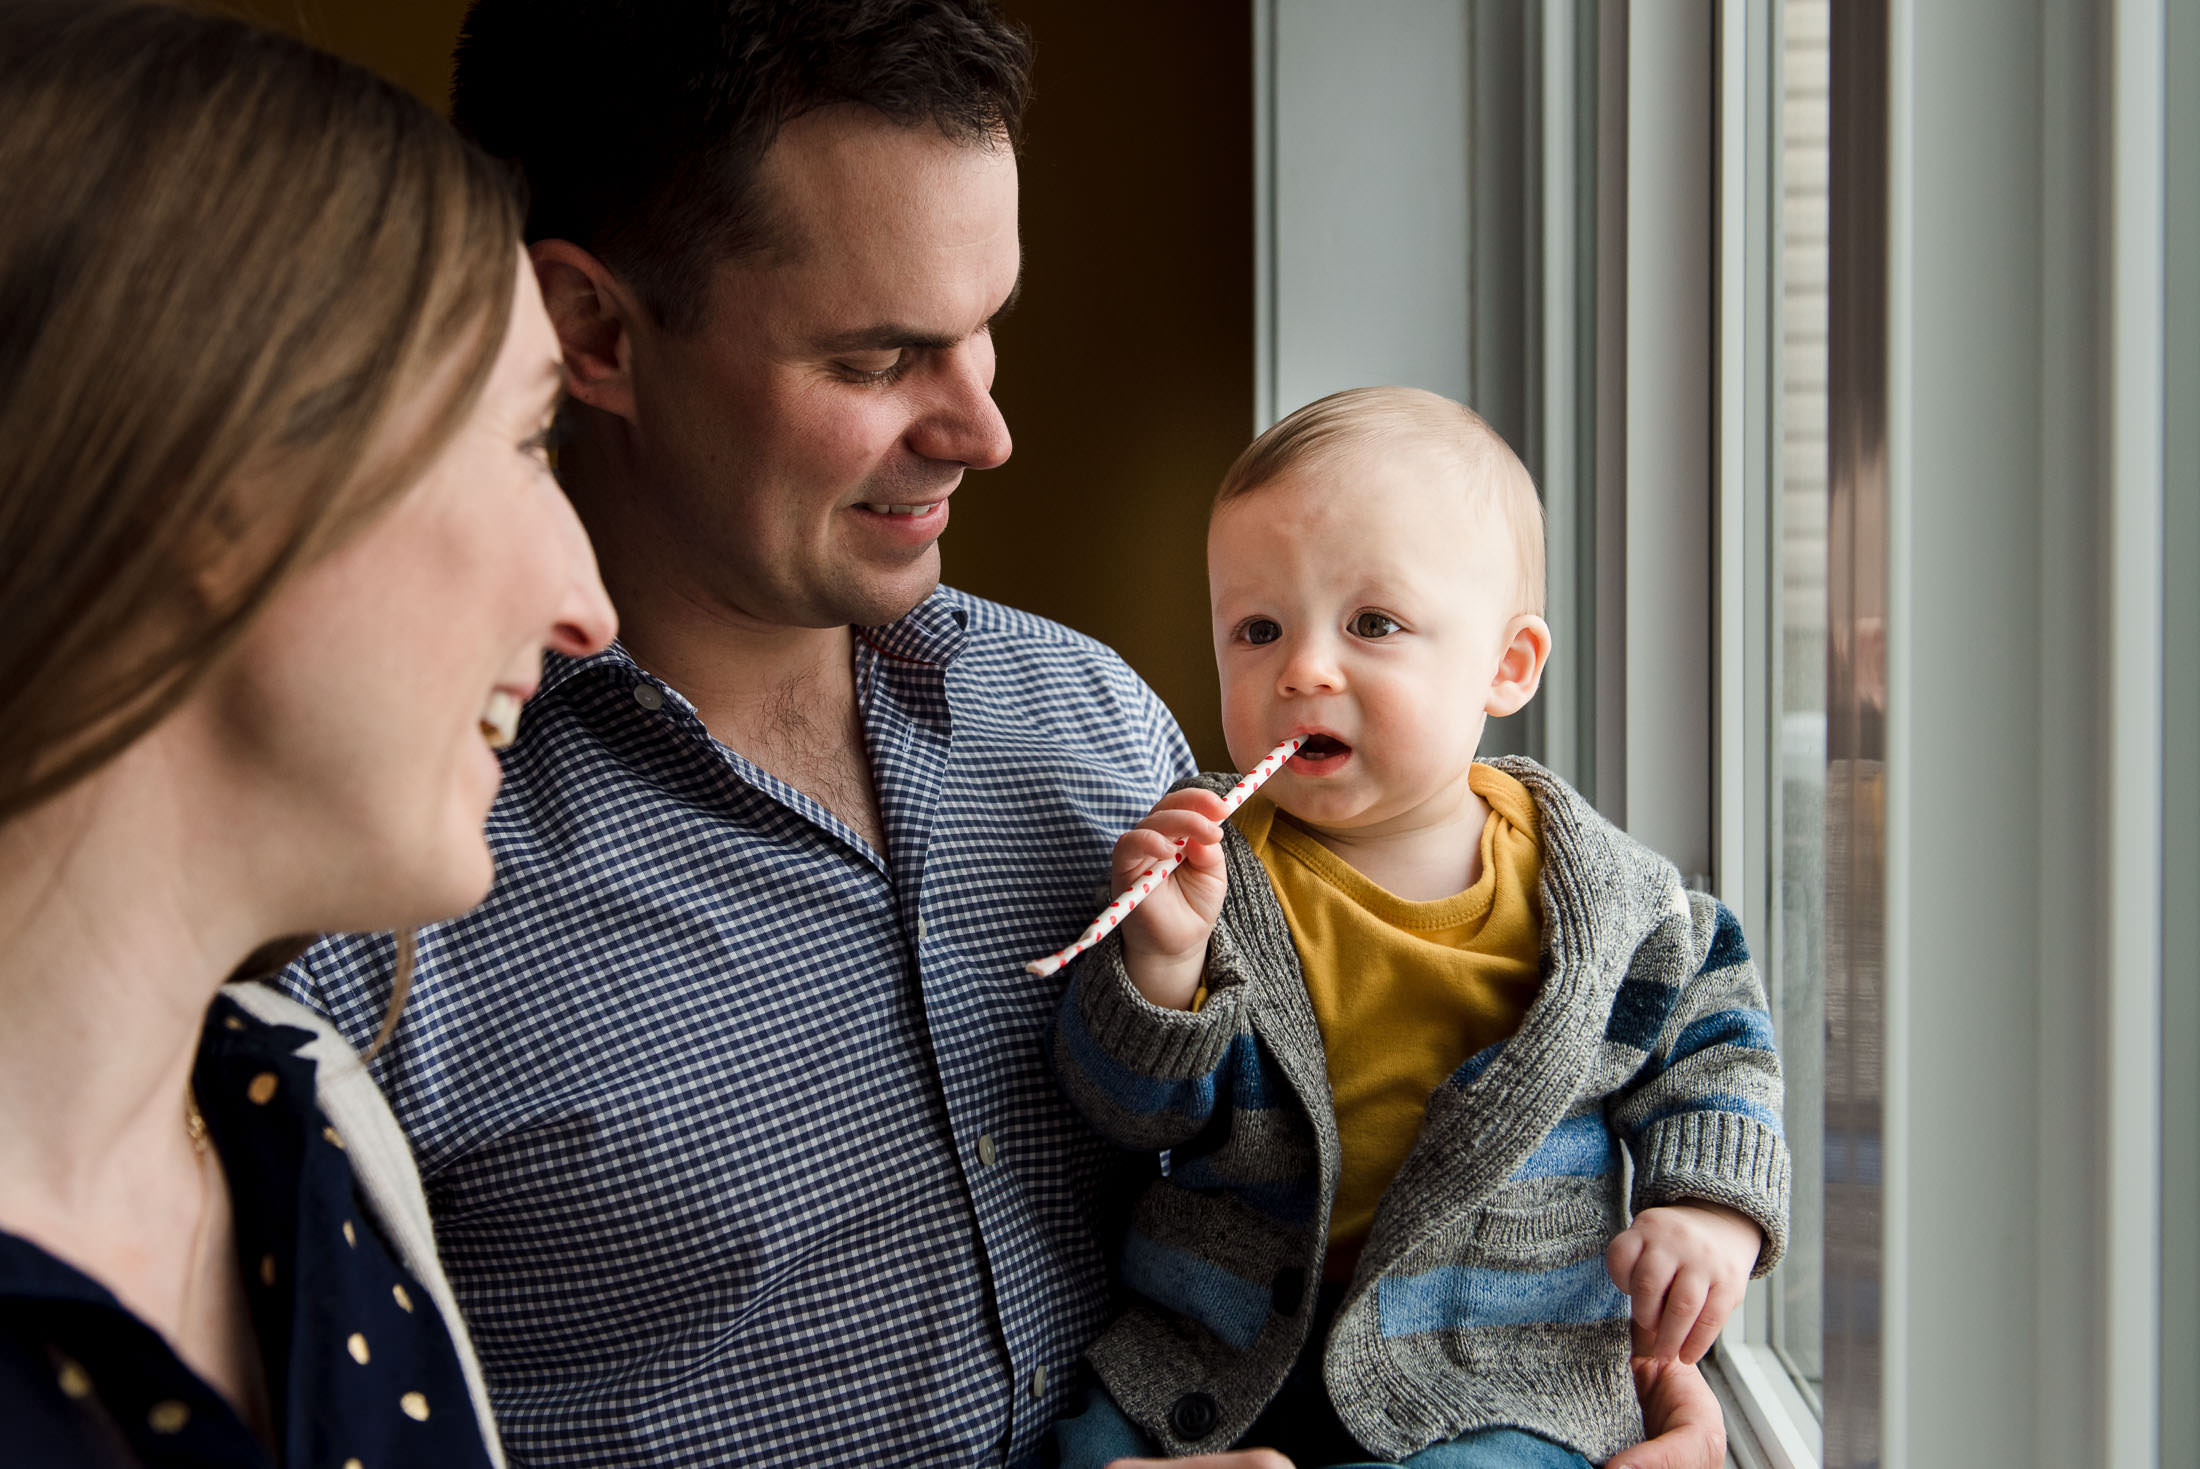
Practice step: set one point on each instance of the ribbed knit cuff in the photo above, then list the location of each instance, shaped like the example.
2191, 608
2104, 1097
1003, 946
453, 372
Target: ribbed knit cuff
1720, 1158
1167, 1045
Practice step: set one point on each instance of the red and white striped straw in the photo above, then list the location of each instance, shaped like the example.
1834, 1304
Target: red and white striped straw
1143, 885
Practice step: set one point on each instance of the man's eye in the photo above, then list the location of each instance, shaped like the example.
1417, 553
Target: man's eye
1373, 625
875, 367
1260, 630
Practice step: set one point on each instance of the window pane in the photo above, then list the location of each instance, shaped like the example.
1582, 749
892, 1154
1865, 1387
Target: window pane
1795, 959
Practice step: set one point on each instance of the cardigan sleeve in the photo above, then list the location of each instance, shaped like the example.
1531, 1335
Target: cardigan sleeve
1702, 1115
1144, 1076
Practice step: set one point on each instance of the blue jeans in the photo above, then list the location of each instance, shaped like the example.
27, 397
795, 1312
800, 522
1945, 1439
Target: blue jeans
1098, 1432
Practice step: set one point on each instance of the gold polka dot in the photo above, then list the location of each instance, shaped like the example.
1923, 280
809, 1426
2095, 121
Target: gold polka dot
267, 1271
75, 1381
331, 1134
262, 1089
404, 1300
168, 1416
234, 1023
356, 1344
350, 1237
415, 1406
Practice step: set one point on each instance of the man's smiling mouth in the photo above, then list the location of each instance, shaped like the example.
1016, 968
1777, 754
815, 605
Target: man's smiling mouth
899, 509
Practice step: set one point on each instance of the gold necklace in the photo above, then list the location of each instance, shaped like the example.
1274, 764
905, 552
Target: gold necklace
194, 1127
194, 1121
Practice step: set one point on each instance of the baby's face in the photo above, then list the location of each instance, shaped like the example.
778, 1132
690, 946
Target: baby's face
1365, 600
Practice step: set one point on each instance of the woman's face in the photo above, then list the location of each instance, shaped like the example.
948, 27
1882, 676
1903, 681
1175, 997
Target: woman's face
352, 729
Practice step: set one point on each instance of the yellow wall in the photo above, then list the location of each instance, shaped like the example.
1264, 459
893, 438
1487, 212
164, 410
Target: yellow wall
1127, 369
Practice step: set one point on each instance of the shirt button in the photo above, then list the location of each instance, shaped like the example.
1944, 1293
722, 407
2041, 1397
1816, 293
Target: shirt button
986, 1151
1038, 1382
920, 930
649, 696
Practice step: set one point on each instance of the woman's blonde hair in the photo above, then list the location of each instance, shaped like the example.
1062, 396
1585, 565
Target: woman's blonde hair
247, 292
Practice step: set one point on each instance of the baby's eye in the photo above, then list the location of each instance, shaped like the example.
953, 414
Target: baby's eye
1260, 630
1373, 625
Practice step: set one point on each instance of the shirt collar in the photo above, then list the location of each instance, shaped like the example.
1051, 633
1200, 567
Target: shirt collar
933, 632
557, 668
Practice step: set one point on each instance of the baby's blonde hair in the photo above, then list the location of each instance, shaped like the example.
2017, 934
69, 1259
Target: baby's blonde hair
1369, 418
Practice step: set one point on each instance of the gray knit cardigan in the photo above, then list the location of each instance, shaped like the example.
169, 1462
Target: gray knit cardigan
1480, 1298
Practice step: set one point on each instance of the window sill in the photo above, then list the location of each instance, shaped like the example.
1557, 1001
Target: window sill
1768, 1425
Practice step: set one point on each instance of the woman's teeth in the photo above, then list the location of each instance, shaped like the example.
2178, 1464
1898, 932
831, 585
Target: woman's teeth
900, 509
500, 719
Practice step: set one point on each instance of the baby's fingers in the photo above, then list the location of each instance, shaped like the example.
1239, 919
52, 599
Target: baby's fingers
1135, 851
1684, 1303
1182, 827
1621, 1256
1718, 1305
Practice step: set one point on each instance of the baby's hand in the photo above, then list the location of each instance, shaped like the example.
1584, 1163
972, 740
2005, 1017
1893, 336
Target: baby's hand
1685, 1265
1165, 938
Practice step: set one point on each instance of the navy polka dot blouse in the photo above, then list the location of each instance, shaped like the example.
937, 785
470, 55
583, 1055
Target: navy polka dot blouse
361, 1371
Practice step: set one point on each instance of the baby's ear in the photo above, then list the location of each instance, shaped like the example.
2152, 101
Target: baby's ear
1520, 667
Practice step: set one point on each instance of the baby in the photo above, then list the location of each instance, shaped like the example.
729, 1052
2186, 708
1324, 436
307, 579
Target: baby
1392, 1023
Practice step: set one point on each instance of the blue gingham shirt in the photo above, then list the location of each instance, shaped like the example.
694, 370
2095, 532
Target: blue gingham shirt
740, 1137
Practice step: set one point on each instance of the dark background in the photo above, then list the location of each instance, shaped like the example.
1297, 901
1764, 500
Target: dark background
1126, 370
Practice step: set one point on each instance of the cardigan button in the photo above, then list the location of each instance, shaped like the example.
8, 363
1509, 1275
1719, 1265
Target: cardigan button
1193, 1417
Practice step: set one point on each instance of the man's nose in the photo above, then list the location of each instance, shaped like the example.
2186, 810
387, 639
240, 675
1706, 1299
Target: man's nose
964, 426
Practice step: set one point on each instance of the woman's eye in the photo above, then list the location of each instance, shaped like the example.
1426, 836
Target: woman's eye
1373, 625
1260, 630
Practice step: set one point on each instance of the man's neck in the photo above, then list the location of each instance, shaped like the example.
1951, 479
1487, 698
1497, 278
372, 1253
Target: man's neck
782, 697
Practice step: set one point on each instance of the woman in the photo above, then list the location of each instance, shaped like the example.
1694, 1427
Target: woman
279, 553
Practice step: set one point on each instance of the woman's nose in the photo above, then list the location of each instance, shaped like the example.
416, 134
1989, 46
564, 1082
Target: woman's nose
586, 621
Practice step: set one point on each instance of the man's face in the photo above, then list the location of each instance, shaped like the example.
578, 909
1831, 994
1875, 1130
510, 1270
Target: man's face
801, 445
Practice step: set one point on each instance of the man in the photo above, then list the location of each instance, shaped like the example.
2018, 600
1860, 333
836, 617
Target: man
731, 1102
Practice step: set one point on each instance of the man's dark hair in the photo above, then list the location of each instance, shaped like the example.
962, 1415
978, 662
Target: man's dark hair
638, 125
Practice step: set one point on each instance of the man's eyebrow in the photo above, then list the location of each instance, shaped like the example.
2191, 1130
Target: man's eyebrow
1015, 294
889, 336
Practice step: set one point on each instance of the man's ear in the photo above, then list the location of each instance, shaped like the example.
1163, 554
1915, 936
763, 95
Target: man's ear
595, 316
1520, 667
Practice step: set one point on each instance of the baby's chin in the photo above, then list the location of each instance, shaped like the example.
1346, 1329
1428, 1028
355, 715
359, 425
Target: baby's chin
1328, 807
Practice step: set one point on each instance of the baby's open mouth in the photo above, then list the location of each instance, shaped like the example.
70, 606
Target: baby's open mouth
1321, 747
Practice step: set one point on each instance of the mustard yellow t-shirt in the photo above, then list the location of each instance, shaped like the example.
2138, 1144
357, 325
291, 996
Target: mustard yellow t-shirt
1404, 991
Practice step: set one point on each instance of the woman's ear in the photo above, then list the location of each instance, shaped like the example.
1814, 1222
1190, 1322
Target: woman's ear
595, 316
1520, 666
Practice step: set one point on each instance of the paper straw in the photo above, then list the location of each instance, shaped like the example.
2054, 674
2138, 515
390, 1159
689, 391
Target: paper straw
1143, 885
